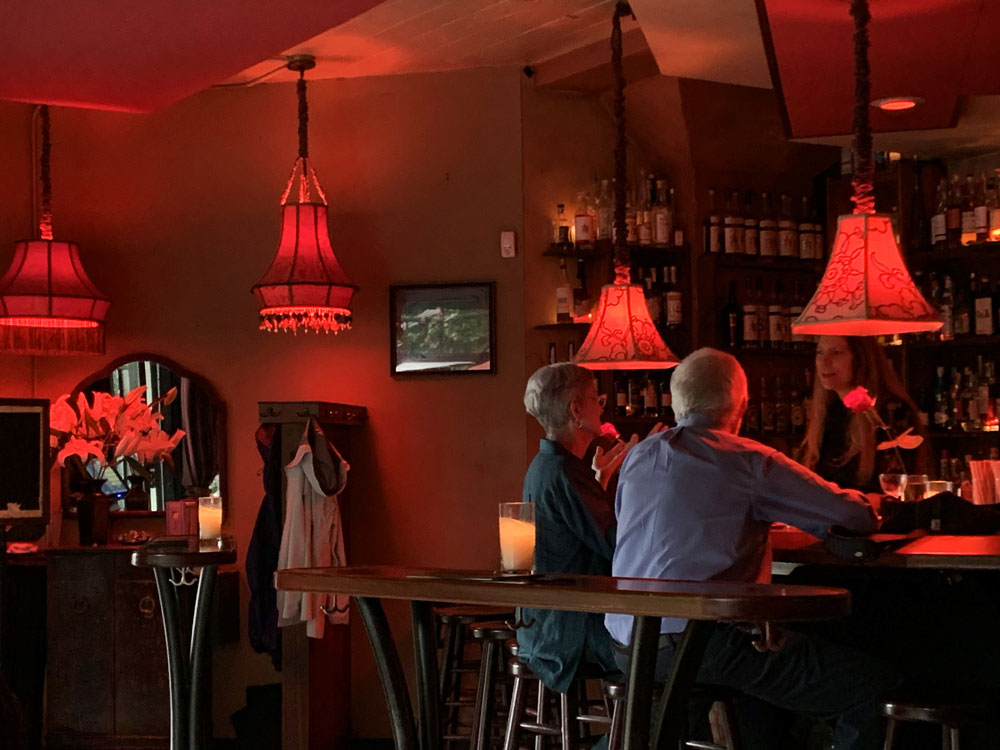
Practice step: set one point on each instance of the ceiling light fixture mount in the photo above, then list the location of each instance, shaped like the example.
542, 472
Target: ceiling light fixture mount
304, 287
623, 335
897, 103
866, 289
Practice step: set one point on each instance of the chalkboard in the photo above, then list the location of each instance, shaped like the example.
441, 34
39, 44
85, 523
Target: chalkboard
24, 466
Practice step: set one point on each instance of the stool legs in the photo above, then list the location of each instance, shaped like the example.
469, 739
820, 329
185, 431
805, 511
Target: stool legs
518, 698
484, 697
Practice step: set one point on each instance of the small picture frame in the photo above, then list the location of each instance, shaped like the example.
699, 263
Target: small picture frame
442, 329
24, 449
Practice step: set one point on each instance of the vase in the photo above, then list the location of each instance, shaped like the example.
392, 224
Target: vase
92, 514
137, 497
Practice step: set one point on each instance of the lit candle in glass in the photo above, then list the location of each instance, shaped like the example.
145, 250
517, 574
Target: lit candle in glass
209, 517
517, 537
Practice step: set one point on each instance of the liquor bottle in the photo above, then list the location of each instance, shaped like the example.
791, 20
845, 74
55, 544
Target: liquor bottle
675, 301
776, 318
970, 402
731, 332
636, 402
621, 395
805, 231
983, 382
981, 210
768, 229
993, 203
678, 237
581, 299
795, 308
553, 353
653, 297
751, 234
971, 304
788, 239
732, 237
917, 232
797, 412
947, 308
631, 216
666, 401
960, 314
564, 296
938, 225
663, 219
583, 221
766, 409
942, 412
650, 397
782, 409
983, 308
763, 331
713, 225
560, 226
968, 215
953, 214
605, 212
570, 351
643, 224
956, 417
749, 327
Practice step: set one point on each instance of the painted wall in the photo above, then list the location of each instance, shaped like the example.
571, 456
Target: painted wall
177, 216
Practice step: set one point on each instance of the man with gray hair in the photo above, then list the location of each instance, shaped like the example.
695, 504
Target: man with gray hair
696, 503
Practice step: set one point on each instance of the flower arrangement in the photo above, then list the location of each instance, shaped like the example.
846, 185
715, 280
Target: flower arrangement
113, 429
859, 401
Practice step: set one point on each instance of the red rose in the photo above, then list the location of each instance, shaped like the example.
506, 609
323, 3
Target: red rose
859, 400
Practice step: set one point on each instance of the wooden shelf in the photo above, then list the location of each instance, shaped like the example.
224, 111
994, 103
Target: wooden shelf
965, 341
563, 327
960, 435
976, 252
760, 263
606, 247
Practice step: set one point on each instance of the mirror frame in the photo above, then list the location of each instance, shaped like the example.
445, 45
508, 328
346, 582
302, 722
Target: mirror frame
181, 371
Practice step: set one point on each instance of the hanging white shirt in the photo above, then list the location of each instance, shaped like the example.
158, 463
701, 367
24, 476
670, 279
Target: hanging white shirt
312, 537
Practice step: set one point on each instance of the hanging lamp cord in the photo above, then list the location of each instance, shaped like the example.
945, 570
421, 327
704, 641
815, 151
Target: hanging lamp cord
618, 111
45, 220
300, 88
864, 173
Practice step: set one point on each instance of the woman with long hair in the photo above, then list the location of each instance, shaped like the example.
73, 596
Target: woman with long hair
841, 445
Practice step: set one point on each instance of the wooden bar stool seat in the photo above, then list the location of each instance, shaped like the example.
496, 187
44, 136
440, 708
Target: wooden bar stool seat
951, 717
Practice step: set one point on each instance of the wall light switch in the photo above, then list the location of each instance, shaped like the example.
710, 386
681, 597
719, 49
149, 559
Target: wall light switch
507, 245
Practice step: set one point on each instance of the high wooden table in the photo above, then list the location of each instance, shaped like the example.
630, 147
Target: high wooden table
179, 561
915, 550
701, 603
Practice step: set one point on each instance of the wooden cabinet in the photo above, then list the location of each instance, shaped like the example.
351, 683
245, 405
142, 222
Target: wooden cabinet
107, 680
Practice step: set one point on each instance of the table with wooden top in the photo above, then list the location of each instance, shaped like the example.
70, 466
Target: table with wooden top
702, 603
918, 550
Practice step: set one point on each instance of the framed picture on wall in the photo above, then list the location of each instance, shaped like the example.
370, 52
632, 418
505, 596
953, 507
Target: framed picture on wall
24, 447
442, 329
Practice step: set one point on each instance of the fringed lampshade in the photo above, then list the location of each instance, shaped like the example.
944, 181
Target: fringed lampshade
622, 336
866, 289
48, 304
304, 287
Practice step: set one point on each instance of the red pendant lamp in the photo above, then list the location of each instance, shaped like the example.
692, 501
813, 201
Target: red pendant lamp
305, 287
48, 304
866, 289
622, 336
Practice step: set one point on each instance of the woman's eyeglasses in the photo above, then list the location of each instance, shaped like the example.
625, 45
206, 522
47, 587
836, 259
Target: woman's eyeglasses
602, 399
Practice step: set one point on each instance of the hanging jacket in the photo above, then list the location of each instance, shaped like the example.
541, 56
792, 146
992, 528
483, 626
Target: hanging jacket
313, 534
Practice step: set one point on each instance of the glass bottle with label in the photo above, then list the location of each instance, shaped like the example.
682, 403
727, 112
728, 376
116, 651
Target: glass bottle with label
666, 401
732, 242
605, 212
650, 397
768, 234
947, 308
767, 425
730, 329
663, 220
795, 308
993, 206
643, 223
942, 412
583, 221
776, 318
749, 338
796, 412
653, 298
788, 235
983, 307
968, 214
938, 226
621, 395
636, 403
763, 331
751, 417
560, 226
805, 231
581, 299
564, 296
713, 225
953, 214
751, 233
981, 210
675, 301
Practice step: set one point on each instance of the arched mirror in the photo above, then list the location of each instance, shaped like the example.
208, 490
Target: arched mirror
197, 463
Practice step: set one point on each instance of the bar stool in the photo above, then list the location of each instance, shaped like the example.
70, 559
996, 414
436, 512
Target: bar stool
492, 683
453, 622
951, 718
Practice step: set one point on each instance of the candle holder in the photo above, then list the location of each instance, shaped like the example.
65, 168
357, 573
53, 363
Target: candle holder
517, 538
209, 517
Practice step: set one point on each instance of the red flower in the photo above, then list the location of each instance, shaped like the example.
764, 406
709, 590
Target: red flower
859, 400
609, 430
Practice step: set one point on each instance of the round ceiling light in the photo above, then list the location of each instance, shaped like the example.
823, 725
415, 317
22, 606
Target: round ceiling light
897, 103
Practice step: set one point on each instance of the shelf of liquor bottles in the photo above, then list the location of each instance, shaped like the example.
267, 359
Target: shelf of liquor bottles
605, 247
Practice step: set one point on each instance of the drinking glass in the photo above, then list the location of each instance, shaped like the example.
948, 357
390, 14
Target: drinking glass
517, 537
936, 486
916, 488
209, 517
893, 484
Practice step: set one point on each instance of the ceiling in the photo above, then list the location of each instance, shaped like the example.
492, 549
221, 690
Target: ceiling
138, 57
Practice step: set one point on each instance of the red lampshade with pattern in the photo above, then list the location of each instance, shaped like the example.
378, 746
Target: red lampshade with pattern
866, 289
623, 336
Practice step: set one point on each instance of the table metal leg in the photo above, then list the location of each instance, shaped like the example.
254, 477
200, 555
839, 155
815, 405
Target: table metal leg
178, 668
200, 657
672, 717
425, 652
390, 672
639, 683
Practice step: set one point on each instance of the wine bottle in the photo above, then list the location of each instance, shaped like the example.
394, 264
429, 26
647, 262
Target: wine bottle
583, 222
768, 234
938, 224
581, 299
605, 212
675, 301
732, 237
953, 214
805, 232
751, 233
621, 395
666, 401
968, 214
983, 306
663, 221
713, 225
564, 296
749, 338
731, 330
636, 403
650, 397
981, 210
560, 226
788, 239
